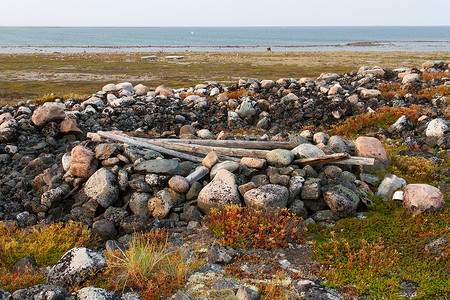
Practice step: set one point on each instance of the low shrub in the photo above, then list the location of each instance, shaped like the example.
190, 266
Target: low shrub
389, 90
238, 94
383, 118
45, 243
249, 228
416, 169
374, 254
52, 97
16, 281
436, 75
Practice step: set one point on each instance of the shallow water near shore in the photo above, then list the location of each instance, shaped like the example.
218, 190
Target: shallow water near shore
142, 39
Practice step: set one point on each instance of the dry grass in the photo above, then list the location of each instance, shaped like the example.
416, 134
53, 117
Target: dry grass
149, 266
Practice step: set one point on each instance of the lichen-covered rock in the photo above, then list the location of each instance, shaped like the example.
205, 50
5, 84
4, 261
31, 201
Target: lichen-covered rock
75, 266
102, 187
221, 191
160, 205
139, 203
40, 292
402, 124
267, 196
280, 157
4, 294
9, 131
93, 293
179, 184
295, 187
307, 151
438, 128
341, 200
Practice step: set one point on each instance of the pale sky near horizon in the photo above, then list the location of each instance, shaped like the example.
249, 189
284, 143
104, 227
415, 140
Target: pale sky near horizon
225, 13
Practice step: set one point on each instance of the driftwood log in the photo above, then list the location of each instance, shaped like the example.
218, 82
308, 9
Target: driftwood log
259, 145
237, 152
173, 147
139, 143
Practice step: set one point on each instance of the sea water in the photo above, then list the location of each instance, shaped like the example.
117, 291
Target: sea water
317, 38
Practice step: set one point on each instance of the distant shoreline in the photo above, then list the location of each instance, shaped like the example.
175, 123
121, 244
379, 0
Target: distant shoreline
413, 46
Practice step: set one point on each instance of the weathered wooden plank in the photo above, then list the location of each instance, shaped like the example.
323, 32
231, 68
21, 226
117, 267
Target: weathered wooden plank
140, 143
356, 160
237, 152
321, 160
260, 145
337, 158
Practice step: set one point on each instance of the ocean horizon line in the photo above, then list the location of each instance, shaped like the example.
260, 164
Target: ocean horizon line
231, 26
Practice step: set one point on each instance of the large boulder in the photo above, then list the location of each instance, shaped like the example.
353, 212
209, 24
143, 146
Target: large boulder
82, 162
102, 187
267, 196
221, 191
420, 198
49, 113
341, 200
75, 266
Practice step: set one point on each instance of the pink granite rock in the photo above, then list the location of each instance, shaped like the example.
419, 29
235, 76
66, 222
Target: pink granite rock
50, 113
419, 198
83, 162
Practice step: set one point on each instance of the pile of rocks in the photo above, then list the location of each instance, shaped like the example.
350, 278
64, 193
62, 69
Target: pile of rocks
52, 172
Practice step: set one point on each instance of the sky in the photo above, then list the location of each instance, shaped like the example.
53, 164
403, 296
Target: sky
224, 13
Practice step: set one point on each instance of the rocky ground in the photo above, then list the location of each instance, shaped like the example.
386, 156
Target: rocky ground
53, 171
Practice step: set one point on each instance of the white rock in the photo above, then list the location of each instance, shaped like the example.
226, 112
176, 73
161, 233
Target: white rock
307, 151
111, 87
411, 78
75, 266
438, 128
125, 86
389, 185
65, 160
